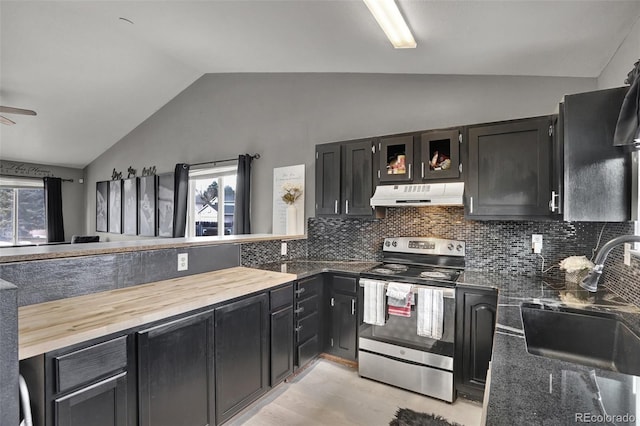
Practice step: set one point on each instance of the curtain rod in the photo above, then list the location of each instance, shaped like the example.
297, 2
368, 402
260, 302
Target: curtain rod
254, 157
33, 177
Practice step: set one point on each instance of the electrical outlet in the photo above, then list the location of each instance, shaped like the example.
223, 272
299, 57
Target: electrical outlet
183, 261
627, 254
536, 243
283, 248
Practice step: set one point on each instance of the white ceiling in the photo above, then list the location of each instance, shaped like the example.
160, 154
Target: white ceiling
93, 78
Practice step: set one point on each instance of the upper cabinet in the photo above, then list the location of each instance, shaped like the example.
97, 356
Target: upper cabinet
396, 159
508, 173
591, 177
344, 178
440, 154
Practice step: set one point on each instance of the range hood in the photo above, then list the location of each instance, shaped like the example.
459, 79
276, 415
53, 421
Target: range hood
428, 194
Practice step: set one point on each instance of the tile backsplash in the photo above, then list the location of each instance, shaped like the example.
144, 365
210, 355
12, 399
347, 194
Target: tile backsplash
497, 246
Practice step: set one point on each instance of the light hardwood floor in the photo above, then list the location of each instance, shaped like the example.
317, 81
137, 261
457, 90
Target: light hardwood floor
328, 393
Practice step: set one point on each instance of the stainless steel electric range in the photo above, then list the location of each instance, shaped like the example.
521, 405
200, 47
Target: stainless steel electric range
409, 342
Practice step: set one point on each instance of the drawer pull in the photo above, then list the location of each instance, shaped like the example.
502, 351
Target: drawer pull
299, 310
298, 328
300, 291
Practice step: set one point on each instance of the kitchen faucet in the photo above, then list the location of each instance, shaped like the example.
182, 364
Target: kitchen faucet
591, 281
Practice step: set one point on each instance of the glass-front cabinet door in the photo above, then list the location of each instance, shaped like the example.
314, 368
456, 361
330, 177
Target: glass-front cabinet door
396, 158
440, 154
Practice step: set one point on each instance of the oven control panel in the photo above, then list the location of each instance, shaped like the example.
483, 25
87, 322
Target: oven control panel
424, 245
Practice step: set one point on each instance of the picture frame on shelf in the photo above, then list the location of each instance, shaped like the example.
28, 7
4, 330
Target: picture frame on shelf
115, 207
166, 186
102, 206
130, 206
147, 206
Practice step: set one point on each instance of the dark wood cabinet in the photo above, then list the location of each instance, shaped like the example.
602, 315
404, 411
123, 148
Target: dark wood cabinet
241, 354
591, 177
440, 155
396, 158
475, 325
308, 319
344, 178
328, 161
175, 373
357, 178
92, 383
342, 327
282, 357
508, 173
101, 404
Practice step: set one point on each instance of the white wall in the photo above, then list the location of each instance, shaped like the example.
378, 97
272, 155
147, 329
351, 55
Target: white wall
622, 62
283, 116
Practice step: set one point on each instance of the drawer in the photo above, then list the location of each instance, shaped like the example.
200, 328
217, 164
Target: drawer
308, 287
281, 297
307, 327
89, 364
344, 283
307, 306
308, 351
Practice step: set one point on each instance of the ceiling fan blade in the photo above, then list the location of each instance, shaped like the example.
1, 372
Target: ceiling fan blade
12, 110
5, 120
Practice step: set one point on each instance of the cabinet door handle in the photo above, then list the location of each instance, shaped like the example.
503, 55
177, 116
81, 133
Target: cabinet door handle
409, 171
346, 206
333, 301
298, 328
353, 306
552, 204
422, 170
299, 310
335, 207
301, 290
470, 204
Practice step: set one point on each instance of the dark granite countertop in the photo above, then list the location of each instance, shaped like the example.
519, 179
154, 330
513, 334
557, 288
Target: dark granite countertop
528, 389
306, 268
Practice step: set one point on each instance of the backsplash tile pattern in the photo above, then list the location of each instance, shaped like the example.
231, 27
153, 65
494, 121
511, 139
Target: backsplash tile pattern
619, 278
497, 246
258, 253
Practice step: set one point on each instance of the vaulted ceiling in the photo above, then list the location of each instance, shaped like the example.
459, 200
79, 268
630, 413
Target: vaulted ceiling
93, 77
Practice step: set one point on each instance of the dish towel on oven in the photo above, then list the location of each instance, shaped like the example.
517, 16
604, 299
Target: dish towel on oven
400, 299
430, 313
374, 301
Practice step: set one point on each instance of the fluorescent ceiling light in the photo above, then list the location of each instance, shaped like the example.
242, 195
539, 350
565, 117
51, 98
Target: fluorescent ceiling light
392, 23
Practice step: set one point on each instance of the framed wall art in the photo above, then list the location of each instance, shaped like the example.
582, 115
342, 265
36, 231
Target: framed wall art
102, 206
130, 206
147, 206
165, 205
115, 207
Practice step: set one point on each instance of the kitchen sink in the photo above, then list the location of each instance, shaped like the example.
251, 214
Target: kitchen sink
589, 338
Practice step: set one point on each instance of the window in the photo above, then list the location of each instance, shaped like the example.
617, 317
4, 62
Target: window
212, 197
22, 215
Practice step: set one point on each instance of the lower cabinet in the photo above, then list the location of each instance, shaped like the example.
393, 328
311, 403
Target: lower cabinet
241, 354
101, 404
308, 319
342, 317
475, 325
281, 334
175, 373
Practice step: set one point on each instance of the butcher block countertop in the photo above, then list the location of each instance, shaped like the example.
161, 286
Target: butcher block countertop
54, 325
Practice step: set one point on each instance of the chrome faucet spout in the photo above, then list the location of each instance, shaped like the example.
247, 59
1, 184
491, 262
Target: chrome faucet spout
591, 281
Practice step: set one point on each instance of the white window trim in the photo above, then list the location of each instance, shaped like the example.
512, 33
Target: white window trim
208, 173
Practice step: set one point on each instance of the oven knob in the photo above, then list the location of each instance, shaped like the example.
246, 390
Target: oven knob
395, 243
450, 246
459, 247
